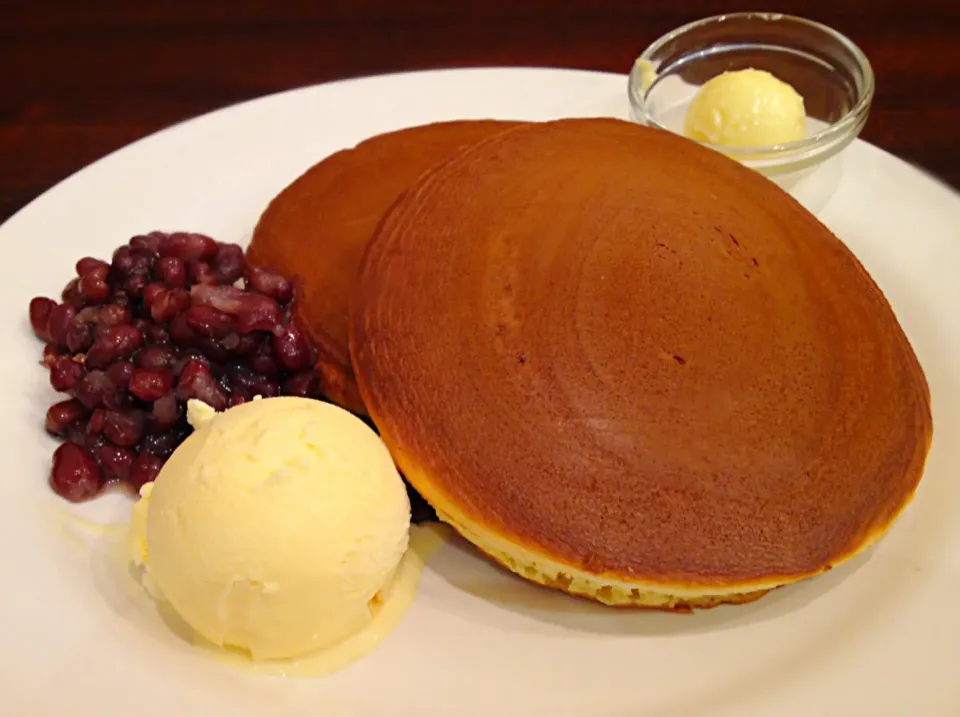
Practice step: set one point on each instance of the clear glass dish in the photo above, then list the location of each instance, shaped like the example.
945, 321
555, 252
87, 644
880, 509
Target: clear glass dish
831, 73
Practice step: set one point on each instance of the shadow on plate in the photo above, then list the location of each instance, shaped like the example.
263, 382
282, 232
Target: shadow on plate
119, 582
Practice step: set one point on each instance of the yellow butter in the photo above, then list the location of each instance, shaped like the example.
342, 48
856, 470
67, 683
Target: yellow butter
274, 527
746, 108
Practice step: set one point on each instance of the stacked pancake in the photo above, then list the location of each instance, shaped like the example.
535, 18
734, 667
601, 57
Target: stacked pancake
317, 228
628, 368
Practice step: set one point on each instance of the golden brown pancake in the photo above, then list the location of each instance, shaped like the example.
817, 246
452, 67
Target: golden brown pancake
316, 230
629, 368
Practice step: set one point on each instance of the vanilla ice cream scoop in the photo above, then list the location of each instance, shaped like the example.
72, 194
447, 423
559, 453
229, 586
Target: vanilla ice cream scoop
274, 526
746, 108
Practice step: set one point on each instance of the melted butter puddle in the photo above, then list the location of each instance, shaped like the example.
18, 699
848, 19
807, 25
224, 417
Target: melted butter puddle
79, 530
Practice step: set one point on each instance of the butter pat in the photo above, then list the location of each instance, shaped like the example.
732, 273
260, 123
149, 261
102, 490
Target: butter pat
274, 527
747, 108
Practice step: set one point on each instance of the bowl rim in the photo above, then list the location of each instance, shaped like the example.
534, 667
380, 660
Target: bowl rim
836, 130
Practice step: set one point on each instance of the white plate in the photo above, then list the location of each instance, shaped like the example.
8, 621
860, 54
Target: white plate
879, 636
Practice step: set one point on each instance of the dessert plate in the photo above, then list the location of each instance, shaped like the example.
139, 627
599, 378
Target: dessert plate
878, 636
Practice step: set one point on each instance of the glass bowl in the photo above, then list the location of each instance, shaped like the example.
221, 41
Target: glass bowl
829, 71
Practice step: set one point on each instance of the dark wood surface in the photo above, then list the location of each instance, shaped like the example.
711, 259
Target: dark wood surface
81, 78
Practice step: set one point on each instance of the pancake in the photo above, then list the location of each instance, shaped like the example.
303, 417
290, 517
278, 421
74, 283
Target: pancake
316, 230
629, 368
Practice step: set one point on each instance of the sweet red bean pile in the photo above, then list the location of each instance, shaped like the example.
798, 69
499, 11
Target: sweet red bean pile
130, 341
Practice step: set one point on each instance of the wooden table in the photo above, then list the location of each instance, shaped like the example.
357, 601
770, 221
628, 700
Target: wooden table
80, 79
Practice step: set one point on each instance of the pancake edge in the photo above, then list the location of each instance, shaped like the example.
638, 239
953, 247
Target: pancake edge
609, 588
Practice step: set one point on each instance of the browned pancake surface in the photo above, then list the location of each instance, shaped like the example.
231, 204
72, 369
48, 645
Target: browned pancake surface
612, 346
317, 228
